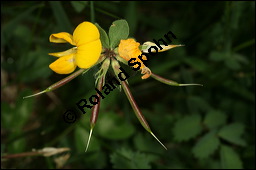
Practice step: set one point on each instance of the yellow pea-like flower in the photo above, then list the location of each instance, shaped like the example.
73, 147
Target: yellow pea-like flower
87, 50
128, 49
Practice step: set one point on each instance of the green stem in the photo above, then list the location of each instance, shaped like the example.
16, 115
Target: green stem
107, 13
92, 12
244, 45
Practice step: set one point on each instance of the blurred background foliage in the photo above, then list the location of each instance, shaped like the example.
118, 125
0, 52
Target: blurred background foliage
203, 127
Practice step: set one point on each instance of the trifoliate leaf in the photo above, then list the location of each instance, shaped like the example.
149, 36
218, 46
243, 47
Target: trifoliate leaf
120, 162
198, 103
140, 161
187, 127
229, 158
103, 36
206, 145
232, 133
215, 119
118, 30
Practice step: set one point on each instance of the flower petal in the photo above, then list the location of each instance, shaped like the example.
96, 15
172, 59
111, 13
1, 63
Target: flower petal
88, 54
63, 53
128, 49
148, 44
85, 32
62, 37
64, 65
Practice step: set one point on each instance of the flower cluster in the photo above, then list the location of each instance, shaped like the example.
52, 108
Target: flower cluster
93, 46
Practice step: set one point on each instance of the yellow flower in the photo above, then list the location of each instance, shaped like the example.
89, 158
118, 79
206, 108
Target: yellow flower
128, 49
87, 50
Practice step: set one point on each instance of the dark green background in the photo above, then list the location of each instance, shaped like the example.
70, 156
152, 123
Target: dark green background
203, 127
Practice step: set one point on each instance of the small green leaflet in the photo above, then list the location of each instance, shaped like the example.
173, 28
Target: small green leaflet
118, 30
103, 37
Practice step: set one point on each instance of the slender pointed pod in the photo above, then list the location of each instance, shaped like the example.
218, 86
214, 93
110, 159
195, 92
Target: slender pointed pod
139, 115
170, 82
95, 111
60, 83
138, 112
146, 45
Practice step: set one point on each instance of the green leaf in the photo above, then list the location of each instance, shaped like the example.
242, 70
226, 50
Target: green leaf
197, 103
240, 58
206, 145
23, 111
118, 30
112, 126
8, 28
6, 118
232, 133
15, 118
36, 61
144, 142
23, 32
232, 63
17, 146
187, 127
214, 119
79, 5
140, 161
103, 37
197, 64
235, 15
229, 158
217, 56
127, 159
